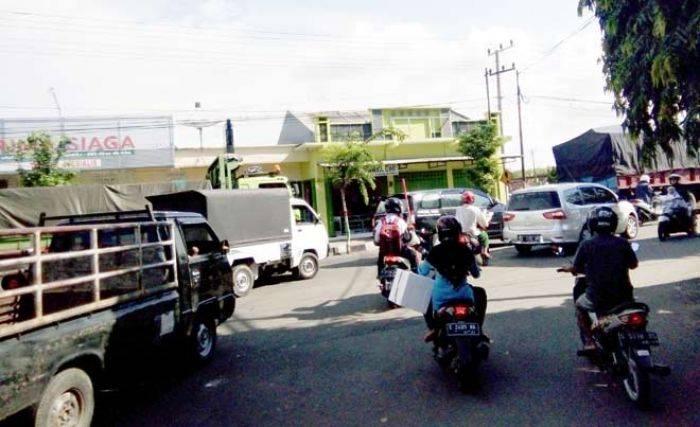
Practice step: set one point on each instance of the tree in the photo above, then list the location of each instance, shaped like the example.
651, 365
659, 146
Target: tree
351, 162
45, 156
651, 59
481, 144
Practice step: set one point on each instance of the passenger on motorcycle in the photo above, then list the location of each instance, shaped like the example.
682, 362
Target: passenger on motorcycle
474, 222
606, 260
452, 261
392, 235
675, 180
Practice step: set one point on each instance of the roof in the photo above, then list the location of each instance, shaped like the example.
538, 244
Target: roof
550, 187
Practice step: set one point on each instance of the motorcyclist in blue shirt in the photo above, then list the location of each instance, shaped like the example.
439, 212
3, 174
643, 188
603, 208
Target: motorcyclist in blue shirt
643, 191
451, 261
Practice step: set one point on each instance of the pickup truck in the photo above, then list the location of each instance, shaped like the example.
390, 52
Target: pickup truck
86, 297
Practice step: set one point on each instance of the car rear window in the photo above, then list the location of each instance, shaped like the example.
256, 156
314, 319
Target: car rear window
536, 201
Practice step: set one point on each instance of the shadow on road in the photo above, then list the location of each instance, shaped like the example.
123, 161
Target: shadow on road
350, 372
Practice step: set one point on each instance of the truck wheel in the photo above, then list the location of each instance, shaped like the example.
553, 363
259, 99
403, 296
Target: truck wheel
308, 266
242, 280
203, 340
523, 249
68, 400
631, 228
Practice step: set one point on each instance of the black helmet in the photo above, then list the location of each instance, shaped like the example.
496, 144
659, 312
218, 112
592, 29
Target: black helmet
448, 228
603, 220
393, 205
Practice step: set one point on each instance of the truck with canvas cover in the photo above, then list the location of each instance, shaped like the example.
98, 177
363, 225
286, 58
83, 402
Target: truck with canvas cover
268, 231
222, 175
83, 302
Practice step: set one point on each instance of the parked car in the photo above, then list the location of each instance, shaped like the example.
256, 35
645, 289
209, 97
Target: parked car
557, 214
429, 205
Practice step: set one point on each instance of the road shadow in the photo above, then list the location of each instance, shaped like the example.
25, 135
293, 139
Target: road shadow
349, 371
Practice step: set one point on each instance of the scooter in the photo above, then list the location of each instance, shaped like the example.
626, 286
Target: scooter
460, 346
676, 218
623, 345
645, 212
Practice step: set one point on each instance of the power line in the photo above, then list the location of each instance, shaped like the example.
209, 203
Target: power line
552, 49
571, 99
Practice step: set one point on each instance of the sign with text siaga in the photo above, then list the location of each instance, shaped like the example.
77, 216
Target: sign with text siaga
96, 142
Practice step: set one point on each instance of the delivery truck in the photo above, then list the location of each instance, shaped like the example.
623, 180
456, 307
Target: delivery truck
268, 231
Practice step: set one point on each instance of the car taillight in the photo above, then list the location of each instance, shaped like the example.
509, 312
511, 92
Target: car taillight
508, 216
461, 311
634, 319
558, 214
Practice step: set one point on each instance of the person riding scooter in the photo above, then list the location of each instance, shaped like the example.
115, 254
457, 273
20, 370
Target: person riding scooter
452, 261
474, 223
393, 236
643, 191
606, 260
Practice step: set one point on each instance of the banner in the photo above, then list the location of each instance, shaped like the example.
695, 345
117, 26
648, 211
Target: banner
97, 143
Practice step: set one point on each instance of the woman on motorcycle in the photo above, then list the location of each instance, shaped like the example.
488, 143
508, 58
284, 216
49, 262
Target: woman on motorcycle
452, 261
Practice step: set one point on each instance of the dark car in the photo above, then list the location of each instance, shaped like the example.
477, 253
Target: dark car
429, 205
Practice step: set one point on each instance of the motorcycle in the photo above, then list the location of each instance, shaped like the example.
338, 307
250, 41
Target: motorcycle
645, 212
675, 218
623, 345
460, 346
427, 238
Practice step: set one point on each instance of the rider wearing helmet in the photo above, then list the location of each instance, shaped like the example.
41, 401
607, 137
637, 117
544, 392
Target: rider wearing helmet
474, 222
643, 191
394, 219
452, 261
605, 259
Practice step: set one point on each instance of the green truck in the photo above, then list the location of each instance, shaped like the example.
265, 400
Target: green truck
222, 175
84, 299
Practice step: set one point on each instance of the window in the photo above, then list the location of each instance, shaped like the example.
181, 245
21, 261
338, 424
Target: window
303, 215
451, 200
604, 196
273, 185
588, 194
430, 201
538, 201
346, 132
459, 128
323, 131
573, 196
199, 236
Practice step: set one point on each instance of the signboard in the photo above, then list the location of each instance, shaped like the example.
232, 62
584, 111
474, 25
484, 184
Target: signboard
386, 170
97, 142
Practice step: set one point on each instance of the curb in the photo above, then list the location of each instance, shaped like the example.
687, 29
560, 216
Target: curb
341, 249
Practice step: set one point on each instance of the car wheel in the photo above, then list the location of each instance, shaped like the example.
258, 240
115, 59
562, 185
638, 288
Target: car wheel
308, 267
68, 399
632, 227
203, 340
242, 280
523, 249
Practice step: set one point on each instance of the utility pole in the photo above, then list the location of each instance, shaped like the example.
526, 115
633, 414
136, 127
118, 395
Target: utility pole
520, 127
499, 69
488, 95
58, 108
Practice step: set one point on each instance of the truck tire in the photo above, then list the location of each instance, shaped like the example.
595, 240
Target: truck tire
203, 340
68, 399
308, 267
242, 280
523, 249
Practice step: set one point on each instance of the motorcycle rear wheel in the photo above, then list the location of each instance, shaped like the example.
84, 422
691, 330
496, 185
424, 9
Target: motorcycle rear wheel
637, 384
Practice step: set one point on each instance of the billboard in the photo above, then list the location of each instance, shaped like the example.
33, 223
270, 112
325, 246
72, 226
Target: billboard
97, 143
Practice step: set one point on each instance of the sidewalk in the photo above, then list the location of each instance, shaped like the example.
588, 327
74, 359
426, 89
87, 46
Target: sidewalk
359, 242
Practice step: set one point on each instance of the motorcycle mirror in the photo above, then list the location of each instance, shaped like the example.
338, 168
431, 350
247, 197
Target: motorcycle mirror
635, 246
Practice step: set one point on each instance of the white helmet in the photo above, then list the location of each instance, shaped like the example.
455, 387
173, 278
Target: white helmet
674, 175
644, 178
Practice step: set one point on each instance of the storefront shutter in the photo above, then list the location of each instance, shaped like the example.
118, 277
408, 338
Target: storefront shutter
428, 180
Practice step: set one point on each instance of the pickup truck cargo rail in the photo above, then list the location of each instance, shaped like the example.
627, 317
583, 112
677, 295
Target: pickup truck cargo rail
34, 259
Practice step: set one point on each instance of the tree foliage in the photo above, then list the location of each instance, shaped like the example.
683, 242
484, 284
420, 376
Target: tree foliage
481, 144
350, 163
651, 59
44, 156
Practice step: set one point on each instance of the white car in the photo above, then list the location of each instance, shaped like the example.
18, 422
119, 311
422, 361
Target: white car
558, 214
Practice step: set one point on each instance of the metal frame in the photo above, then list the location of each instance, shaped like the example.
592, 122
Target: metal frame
35, 260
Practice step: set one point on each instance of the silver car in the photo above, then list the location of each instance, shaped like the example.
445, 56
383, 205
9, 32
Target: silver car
557, 214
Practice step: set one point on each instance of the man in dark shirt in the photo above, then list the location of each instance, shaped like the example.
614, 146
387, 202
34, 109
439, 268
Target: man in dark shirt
605, 260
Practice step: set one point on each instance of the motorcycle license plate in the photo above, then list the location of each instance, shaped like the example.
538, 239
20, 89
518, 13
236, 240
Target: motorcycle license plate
640, 338
529, 238
463, 329
388, 274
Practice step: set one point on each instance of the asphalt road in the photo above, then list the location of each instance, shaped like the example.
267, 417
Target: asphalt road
328, 352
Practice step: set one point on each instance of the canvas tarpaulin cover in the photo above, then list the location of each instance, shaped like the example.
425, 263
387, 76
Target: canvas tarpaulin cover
599, 154
21, 207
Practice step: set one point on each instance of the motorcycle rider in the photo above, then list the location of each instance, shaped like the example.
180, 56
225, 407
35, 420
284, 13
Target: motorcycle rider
675, 180
643, 191
474, 222
605, 260
452, 261
393, 217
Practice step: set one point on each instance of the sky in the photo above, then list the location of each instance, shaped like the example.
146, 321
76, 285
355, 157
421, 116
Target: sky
253, 60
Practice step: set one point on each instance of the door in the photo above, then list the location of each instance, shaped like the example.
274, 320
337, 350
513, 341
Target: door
309, 232
210, 272
576, 208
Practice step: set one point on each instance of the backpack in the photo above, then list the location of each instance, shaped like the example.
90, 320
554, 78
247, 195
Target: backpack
390, 237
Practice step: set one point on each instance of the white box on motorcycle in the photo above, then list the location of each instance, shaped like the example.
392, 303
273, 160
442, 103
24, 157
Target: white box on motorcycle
411, 290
